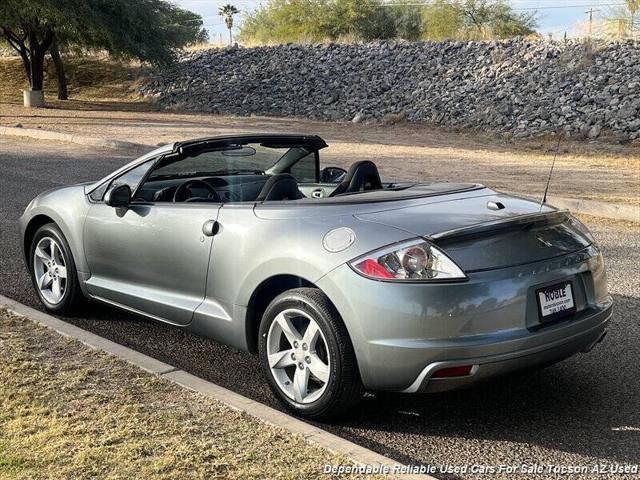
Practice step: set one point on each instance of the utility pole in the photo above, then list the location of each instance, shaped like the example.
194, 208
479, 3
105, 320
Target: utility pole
591, 11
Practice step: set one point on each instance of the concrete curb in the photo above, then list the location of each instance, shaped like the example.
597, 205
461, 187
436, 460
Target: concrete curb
314, 435
73, 138
614, 211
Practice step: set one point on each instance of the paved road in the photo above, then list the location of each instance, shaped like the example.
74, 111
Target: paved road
583, 411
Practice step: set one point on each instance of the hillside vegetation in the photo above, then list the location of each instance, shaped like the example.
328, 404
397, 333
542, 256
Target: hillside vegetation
299, 21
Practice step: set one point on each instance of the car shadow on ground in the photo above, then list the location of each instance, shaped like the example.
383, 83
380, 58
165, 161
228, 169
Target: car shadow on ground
573, 406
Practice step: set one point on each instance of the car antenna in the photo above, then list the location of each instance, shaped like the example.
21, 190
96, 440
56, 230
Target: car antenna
546, 188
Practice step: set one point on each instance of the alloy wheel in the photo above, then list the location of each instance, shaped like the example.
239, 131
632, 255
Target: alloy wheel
298, 356
49, 266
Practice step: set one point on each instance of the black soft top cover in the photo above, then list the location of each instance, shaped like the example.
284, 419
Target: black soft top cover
275, 140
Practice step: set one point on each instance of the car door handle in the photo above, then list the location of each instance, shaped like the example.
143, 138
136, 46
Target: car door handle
210, 228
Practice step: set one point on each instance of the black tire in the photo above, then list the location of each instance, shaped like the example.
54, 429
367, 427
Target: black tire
72, 297
344, 388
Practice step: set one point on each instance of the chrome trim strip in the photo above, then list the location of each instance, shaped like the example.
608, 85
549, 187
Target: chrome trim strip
432, 367
136, 311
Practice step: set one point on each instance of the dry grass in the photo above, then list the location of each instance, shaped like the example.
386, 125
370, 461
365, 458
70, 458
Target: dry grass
70, 412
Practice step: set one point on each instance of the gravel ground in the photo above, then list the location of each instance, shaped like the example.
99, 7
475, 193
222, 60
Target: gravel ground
583, 411
592, 170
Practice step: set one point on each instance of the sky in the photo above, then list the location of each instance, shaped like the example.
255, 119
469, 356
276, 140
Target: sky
554, 16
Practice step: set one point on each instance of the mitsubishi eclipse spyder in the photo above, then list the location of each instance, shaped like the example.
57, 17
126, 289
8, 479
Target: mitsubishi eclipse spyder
340, 282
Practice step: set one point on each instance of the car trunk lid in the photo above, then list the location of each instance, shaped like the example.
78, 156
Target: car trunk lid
489, 232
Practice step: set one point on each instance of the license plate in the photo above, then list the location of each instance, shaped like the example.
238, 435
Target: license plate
556, 301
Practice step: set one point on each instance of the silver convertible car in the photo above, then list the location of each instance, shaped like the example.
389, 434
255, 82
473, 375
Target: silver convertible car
340, 282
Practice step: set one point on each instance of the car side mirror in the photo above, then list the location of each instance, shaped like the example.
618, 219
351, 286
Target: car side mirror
332, 174
118, 196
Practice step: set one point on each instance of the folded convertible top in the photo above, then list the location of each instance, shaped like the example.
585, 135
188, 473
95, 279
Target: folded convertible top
271, 139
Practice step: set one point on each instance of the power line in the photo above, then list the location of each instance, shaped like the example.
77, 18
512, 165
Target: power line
250, 4
549, 7
588, 4
553, 7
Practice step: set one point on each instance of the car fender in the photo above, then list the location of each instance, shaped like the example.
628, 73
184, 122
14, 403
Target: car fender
296, 247
67, 208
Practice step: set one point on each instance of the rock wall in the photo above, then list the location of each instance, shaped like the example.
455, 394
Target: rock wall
517, 88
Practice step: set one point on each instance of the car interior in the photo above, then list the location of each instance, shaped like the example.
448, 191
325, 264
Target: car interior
362, 176
253, 173
259, 169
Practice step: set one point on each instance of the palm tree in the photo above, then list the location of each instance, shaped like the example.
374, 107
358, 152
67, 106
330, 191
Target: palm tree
228, 11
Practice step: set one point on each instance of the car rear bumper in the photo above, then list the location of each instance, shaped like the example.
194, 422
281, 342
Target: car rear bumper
483, 368
403, 333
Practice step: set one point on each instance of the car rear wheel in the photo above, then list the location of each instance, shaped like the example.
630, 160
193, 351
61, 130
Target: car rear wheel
53, 271
307, 355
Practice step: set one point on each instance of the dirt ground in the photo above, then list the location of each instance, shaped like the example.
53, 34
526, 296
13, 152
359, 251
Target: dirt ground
590, 170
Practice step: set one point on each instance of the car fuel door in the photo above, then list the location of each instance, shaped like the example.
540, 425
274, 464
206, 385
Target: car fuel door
152, 259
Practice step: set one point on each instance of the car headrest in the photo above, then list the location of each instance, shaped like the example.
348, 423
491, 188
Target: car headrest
361, 176
282, 186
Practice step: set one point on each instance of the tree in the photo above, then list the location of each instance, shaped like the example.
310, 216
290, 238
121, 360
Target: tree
441, 21
626, 15
495, 18
228, 11
149, 30
408, 19
633, 6
54, 51
284, 21
475, 19
358, 18
30, 34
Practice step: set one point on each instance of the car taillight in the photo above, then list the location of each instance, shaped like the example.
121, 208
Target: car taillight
371, 268
416, 260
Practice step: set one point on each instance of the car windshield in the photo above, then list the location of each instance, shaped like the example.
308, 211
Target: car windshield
252, 158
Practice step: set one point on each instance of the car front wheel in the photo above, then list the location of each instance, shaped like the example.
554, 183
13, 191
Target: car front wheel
307, 355
53, 271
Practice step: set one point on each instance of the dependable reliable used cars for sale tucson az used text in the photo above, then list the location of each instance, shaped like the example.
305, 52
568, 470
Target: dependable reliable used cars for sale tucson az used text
340, 282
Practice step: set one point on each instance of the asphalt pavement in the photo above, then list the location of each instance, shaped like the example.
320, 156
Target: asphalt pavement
584, 411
